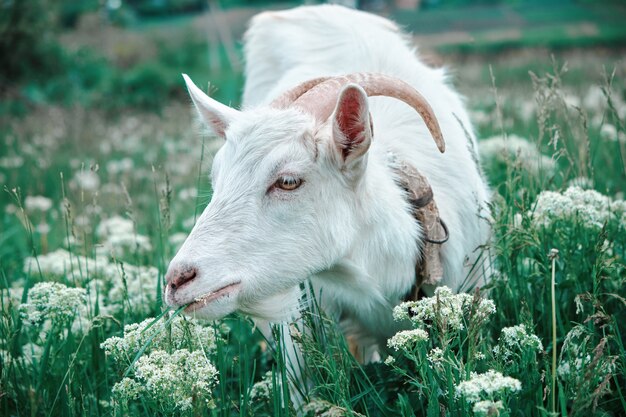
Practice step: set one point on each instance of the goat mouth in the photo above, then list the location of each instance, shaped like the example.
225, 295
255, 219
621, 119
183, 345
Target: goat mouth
209, 297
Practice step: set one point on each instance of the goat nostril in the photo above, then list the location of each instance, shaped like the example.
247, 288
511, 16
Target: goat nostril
182, 277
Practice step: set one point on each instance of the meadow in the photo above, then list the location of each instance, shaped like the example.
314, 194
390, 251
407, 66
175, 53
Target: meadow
96, 202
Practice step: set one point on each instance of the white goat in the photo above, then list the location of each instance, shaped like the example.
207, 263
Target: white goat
304, 186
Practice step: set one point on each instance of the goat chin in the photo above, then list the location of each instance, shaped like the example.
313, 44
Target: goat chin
298, 198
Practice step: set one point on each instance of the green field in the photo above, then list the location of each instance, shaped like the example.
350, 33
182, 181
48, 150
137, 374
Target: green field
492, 28
105, 171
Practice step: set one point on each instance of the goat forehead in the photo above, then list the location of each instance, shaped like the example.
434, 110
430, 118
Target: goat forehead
264, 136
268, 127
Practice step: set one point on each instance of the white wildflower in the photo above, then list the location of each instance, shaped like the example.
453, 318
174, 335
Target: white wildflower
595, 98
401, 312
563, 369
527, 109
119, 245
96, 294
118, 237
591, 207
32, 352
262, 390
133, 286
128, 389
115, 225
580, 357
448, 310
516, 339
13, 294
10, 162
390, 360
480, 117
518, 150
52, 301
571, 100
406, 339
189, 223
10, 209
37, 203
121, 166
188, 193
175, 381
86, 180
582, 182
181, 333
61, 263
6, 358
112, 188
435, 356
489, 385
608, 132
42, 228
322, 408
577, 364
488, 408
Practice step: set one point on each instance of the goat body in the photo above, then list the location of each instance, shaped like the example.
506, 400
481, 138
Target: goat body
297, 198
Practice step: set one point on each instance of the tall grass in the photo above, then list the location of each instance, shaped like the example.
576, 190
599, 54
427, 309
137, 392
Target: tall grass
101, 343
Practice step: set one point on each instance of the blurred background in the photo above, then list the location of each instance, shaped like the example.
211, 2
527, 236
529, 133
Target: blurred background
115, 54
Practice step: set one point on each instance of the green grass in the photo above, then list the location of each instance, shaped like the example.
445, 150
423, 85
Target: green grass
145, 168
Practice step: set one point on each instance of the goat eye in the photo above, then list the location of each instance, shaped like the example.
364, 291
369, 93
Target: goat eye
288, 183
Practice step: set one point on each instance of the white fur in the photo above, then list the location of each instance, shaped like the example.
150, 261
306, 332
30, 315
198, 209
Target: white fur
347, 229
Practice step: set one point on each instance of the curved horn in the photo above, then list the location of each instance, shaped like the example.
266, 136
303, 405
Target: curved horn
320, 100
288, 97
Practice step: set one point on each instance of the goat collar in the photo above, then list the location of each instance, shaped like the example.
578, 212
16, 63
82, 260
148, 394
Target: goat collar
428, 267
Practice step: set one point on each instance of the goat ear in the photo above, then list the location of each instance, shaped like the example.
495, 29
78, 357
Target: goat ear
352, 127
215, 114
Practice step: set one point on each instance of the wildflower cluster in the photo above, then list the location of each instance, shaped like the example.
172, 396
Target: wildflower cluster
512, 148
118, 238
454, 349
86, 180
591, 207
52, 301
585, 363
180, 333
487, 391
176, 381
407, 339
61, 263
120, 283
514, 342
322, 408
435, 356
487, 408
121, 166
174, 372
134, 285
446, 310
261, 391
37, 203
